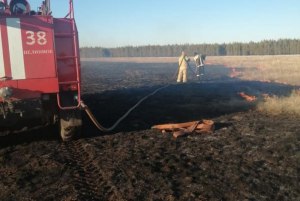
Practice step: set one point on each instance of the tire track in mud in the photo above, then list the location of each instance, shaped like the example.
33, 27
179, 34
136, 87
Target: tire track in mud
89, 181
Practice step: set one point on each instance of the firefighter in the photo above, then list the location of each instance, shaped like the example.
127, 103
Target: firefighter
199, 62
183, 65
19, 7
3, 6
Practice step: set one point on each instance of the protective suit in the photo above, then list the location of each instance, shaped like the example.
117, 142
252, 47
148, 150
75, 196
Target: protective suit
199, 64
183, 65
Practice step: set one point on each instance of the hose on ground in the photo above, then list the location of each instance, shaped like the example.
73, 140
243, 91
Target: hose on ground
103, 129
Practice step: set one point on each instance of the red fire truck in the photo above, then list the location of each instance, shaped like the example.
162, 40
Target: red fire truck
39, 68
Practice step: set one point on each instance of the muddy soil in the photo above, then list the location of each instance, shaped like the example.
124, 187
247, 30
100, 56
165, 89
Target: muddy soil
250, 155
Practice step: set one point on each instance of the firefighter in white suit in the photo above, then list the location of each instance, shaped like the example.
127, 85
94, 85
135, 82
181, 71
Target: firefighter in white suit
183, 65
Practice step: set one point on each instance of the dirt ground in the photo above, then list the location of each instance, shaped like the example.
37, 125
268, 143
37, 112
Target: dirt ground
250, 155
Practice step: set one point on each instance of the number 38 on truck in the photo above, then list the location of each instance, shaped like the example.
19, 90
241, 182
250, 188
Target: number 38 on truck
40, 80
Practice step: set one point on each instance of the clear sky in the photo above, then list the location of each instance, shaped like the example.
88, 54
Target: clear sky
114, 23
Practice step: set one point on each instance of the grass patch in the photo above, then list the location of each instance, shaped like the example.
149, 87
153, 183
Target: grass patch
278, 68
282, 105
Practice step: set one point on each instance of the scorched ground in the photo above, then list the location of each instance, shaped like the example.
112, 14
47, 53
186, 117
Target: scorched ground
250, 156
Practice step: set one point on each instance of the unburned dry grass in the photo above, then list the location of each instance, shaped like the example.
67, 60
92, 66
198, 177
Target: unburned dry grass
282, 105
278, 68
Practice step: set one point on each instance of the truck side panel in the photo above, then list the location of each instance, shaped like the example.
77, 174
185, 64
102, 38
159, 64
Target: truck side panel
27, 56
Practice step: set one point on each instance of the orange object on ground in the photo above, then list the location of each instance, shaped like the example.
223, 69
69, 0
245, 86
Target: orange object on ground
181, 129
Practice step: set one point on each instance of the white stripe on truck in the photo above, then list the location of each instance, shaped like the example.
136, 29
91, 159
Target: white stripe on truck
2, 69
15, 48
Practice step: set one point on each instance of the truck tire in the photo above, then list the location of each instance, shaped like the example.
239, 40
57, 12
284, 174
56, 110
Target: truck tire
70, 124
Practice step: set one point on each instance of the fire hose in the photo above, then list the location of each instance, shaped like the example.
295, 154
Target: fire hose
102, 128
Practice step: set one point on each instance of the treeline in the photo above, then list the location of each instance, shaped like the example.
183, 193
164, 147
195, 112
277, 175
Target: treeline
266, 47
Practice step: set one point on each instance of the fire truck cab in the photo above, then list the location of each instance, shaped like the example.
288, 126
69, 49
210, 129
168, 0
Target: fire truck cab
39, 68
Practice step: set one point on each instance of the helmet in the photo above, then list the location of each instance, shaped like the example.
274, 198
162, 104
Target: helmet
19, 7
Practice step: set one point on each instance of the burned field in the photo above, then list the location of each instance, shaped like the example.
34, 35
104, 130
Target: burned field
249, 156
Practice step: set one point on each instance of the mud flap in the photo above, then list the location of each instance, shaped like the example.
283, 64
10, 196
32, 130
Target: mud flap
70, 124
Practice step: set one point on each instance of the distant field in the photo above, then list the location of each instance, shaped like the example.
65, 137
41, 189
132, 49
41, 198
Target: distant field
284, 69
278, 68
133, 59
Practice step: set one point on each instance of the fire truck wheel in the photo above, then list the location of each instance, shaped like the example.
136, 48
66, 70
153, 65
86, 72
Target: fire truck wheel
70, 124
